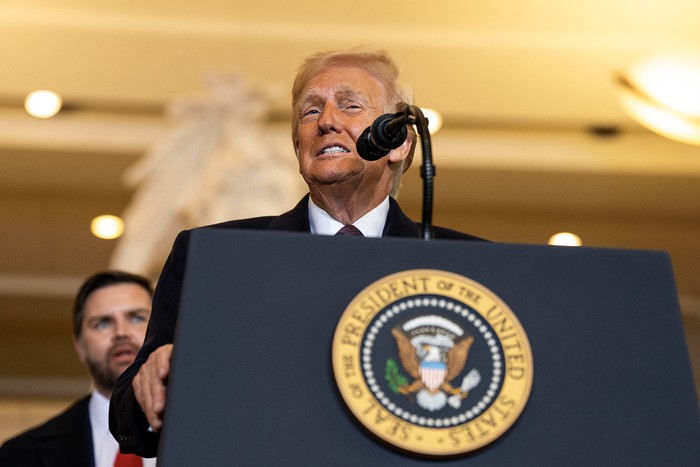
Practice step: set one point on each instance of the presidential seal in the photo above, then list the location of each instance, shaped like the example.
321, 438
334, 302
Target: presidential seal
432, 362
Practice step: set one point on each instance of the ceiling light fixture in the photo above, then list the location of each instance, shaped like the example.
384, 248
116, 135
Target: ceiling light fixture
434, 120
107, 227
565, 239
43, 104
662, 94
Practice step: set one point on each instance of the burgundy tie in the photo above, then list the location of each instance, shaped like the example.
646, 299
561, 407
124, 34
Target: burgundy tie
127, 460
349, 231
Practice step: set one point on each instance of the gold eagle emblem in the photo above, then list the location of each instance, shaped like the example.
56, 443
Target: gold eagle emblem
434, 361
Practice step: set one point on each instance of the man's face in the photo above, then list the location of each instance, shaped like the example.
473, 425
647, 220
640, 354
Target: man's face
336, 106
112, 332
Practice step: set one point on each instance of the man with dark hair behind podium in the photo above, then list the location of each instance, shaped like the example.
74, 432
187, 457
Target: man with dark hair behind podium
335, 96
110, 315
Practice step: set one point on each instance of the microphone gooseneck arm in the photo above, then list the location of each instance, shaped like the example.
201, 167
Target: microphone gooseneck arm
427, 172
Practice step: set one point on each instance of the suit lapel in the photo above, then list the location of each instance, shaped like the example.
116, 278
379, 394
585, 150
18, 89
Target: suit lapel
398, 224
68, 441
296, 220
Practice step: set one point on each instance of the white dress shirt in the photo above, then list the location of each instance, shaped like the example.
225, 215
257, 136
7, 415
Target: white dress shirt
103, 443
371, 224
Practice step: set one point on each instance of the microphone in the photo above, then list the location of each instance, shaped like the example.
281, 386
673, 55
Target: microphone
388, 132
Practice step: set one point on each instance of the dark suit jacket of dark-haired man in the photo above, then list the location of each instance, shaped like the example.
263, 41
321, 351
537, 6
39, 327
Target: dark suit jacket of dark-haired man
63, 441
133, 434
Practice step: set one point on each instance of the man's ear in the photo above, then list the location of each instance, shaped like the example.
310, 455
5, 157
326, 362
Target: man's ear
79, 350
399, 154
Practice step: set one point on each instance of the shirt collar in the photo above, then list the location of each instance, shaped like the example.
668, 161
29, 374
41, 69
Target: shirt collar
99, 411
371, 224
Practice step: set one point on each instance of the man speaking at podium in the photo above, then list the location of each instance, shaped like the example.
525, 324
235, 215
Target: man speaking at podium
335, 97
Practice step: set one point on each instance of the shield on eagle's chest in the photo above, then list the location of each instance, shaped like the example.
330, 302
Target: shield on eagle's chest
432, 374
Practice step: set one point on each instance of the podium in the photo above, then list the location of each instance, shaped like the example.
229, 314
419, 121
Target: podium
254, 381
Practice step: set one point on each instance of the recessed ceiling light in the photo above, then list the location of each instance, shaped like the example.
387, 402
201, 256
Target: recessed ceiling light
434, 120
43, 104
565, 239
107, 226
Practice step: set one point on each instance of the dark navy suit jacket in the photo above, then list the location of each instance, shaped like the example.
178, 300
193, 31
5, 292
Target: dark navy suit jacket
63, 441
126, 420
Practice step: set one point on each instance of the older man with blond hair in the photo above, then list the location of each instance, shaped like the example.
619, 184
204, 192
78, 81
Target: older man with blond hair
335, 96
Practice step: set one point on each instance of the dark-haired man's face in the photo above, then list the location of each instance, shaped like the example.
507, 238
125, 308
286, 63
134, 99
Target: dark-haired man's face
112, 332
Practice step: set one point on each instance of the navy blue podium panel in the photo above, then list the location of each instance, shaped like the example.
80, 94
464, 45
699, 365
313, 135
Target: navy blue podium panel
253, 382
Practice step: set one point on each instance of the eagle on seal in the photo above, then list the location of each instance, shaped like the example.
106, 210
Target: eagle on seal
434, 361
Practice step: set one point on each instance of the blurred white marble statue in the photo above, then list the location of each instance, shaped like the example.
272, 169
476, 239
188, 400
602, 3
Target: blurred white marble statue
217, 164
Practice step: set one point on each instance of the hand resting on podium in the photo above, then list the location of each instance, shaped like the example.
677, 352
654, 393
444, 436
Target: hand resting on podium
149, 385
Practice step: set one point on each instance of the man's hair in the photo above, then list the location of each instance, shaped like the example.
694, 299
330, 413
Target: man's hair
376, 62
98, 281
